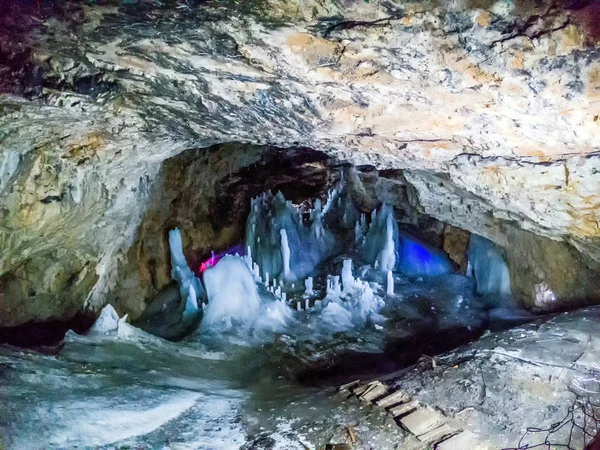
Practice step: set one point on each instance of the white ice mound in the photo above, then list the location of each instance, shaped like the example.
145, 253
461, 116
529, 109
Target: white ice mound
233, 298
109, 324
487, 265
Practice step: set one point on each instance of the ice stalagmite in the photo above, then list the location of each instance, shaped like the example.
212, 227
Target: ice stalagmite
191, 304
107, 322
285, 254
308, 286
190, 287
348, 281
489, 268
387, 256
390, 283
387, 248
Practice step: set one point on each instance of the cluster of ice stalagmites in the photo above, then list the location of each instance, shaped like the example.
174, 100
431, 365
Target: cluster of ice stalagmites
281, 244
262, 288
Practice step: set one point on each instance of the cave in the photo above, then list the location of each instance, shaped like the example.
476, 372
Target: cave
299, 224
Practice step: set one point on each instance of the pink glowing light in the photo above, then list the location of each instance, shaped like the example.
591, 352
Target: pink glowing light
214, 259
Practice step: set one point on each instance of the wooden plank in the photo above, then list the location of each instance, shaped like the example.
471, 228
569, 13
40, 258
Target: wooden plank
392, 399
438, 433
358, 390
347, 386
404, 408
461, 441
375, 391
422, 420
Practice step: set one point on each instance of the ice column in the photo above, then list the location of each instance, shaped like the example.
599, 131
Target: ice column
285, 254
308, 286
387, 256
390, 283
189, 285
348, 281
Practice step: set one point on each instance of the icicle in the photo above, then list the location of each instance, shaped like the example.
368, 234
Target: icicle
357, 232
267, 279
308, 285
307, 304
390, 283
285, 254
298, 307
283, 297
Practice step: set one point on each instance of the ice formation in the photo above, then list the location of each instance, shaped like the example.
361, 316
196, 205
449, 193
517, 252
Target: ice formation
308, 286
387, 248
544, 297
281, 244
190, 286
233, 298
285, 254
488, 267
381, 242
348, 281
107, 322
355, 307
390, 283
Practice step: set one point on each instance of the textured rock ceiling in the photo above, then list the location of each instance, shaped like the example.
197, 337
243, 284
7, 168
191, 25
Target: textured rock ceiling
491, 108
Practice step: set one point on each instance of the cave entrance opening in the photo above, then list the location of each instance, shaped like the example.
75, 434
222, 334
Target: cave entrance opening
296, 250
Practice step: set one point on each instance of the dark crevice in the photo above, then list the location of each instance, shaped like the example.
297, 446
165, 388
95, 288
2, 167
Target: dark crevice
44, 334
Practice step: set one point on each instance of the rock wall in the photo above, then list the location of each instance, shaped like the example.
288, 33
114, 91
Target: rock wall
489, 108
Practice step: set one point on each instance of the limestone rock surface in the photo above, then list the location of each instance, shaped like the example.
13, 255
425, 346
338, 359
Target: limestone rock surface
490, 109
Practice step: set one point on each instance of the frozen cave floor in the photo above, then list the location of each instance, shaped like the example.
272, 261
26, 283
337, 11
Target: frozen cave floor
143, 392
